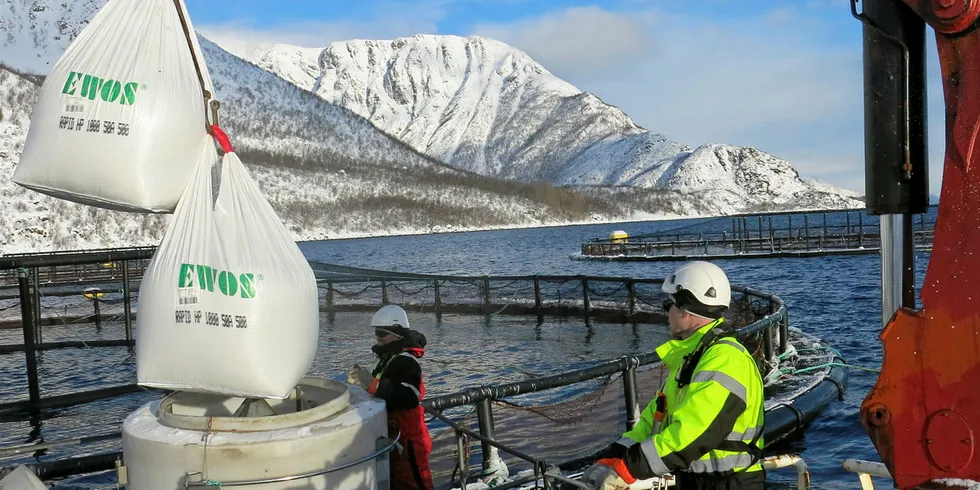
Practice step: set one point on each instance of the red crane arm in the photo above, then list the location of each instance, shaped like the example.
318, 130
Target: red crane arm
923, 413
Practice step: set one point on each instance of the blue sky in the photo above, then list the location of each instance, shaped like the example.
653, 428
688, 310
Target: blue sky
784, 75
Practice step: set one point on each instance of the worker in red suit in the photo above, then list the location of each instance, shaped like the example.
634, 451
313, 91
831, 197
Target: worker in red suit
397, 379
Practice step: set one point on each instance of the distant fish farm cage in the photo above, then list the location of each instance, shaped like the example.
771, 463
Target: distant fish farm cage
77, 267
787, 234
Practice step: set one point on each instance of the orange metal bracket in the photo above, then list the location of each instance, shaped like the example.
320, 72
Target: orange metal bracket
923, 414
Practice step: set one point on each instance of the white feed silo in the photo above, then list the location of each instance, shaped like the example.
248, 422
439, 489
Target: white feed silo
324, 435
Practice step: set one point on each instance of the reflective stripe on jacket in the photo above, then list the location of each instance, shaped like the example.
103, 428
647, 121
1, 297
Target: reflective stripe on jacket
723, 402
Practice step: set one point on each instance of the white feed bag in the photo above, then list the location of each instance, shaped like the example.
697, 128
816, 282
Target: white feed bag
228, 304
119, 120
22, 478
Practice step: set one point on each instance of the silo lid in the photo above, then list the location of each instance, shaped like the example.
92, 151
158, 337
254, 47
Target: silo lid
312, 399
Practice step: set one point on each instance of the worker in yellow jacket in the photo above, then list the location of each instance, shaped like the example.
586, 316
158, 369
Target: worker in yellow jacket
705, 426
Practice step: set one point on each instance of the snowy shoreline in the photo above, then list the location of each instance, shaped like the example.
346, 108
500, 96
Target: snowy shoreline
454, 229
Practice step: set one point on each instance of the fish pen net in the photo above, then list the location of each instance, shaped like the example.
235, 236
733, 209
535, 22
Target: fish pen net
567, 424
589, 417
347, 289
564, 425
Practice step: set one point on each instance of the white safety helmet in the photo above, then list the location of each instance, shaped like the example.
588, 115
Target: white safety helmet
390, 316
704, 280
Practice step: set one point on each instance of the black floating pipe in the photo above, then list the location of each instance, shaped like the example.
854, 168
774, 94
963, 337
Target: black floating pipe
762, 324
586, 304
67, 344
486, 293
70, 399
630, 395
27, 319
127, 303
41, 446
537, 294
784, 333
896, 143
59, 294
49, 470
768, 346
784, 421
437, 296
36, 283
631, 289
8, 262
97, 310
503, 447
484, 417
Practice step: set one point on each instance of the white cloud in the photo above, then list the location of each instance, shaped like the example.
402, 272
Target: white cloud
241, 36
576, 41
786, 81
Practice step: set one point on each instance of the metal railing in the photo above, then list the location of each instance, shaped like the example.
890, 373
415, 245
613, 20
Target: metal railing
349, 289
763, 319
865, 470
481, 396
195, 480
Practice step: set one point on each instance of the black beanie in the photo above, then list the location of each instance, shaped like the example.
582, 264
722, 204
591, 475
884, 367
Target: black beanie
685, 300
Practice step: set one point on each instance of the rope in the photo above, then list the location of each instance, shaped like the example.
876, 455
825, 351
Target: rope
465, 283
498, 311
581, 410
574, 290
641, 300
513, 299
559, 281
822, 348
411, 293
63, 322
622, 286
11, 306
506, 285
792, 371
351, 295
787, 372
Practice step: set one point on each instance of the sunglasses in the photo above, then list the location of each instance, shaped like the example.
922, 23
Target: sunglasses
668, 304
380, 332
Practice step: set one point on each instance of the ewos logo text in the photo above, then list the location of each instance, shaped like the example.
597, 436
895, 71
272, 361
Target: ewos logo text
205, 278
91, 86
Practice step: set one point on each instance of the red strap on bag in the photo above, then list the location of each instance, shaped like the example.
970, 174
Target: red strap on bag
620, 466
222, 138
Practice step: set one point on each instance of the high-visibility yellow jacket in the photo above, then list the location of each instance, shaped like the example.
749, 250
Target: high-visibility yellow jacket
713, 425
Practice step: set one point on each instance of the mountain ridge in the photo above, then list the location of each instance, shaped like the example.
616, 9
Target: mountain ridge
327, 171
481, 105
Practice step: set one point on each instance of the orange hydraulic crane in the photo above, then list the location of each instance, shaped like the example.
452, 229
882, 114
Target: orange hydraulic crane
924, 410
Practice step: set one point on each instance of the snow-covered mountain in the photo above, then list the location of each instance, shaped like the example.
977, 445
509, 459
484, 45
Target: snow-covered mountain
319, 187
327, 171
486, 107
330, 172
33, 34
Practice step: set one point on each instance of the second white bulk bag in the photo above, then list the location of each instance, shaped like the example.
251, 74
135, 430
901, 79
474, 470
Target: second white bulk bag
119, 119
228, 303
